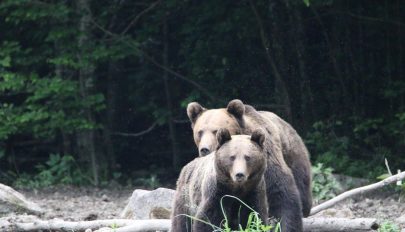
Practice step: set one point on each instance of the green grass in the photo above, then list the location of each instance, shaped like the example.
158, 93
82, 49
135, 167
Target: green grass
254, 223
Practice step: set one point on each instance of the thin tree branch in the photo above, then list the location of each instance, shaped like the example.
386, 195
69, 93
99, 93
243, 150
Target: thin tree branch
181, 121
180, 76
138, 16
372, 19
137, 134
153, 61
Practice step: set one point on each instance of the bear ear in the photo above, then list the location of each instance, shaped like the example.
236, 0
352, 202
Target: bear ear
236, 108
223, 136
194, 110
258, 137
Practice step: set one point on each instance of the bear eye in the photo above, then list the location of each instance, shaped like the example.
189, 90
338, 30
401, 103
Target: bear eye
247, 158
232, 157
215, 132
200, 133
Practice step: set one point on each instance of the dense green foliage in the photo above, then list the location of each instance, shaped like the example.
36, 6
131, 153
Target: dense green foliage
324, 184
107, 82
57, 170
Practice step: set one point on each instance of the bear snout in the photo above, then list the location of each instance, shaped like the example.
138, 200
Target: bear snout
204, 151
240, 177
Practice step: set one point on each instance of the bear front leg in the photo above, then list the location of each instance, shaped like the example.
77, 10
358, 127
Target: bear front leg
180, 222
284, 199
209, 212
257, 200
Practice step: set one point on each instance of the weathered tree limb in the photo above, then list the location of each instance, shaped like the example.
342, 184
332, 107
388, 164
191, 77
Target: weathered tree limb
13, 201
127, 225
339, 224
60, 225
145, 225
356, 191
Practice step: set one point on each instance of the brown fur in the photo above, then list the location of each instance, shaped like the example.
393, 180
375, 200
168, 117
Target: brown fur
288, 176
236, 168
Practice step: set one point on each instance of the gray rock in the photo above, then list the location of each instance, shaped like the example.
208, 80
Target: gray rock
12, 201
144, 204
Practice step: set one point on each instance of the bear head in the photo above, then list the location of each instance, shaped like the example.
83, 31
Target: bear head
240, 161
206, 123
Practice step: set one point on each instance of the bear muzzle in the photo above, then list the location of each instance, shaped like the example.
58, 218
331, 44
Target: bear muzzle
204, 151
239, 177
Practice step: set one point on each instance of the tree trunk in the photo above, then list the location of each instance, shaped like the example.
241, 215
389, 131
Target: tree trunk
400, 51
281, 90
111, 99
307, 98
110, 113
86, 138
172, 129
335, 64
388, 63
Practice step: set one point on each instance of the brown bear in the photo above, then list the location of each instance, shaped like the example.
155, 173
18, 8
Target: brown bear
236, 167
288, 179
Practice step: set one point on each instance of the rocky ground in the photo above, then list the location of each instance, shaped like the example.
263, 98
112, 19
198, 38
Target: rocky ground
89, 203
80, 203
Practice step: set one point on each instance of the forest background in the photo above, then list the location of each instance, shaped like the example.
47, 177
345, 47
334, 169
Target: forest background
95, 91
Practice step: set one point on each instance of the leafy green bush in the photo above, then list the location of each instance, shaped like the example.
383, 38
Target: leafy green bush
57, 170
324, 185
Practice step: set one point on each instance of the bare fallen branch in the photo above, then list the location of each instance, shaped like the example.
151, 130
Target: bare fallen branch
339, 224
60, 225
13, 201
127, 225
162, 225
356, 191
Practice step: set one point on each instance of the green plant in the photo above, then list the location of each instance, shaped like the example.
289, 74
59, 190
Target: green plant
254, 223
57, 170
388, 226
324, 184
399, 186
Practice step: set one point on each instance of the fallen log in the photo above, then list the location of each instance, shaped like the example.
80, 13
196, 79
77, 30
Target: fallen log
61, 225
12, 201
127, 225
356, 191
340, 224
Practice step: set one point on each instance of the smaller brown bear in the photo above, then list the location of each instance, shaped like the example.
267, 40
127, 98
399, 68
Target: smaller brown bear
235, 168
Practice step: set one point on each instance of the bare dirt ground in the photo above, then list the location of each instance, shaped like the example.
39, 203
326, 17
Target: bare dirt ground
90, 203
80, 203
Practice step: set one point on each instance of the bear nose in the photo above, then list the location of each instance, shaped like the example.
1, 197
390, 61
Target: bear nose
239, 175
204, 151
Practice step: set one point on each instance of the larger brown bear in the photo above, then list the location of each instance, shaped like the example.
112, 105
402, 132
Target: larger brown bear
288, 174
236, 168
